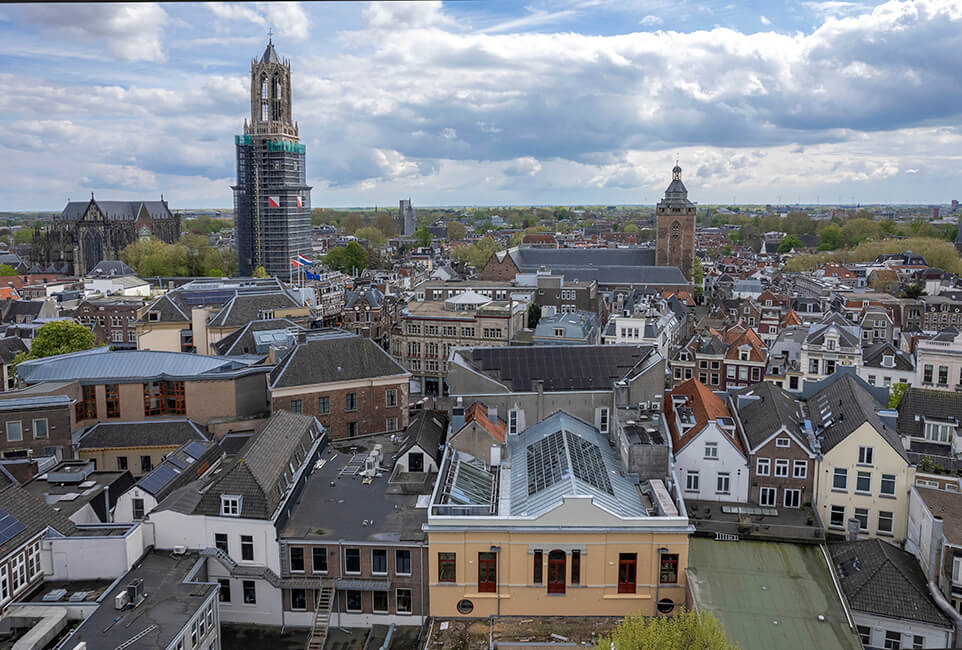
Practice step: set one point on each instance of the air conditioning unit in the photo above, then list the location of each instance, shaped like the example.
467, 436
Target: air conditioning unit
642, 406
135, 591
121, 600
180, 550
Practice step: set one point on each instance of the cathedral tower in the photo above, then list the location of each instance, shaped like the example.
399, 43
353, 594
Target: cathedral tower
675, 215
272, 202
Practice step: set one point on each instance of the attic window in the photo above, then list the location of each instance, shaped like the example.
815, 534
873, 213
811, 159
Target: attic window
265, 314
230, 505
782, 442
153, 315
888, 360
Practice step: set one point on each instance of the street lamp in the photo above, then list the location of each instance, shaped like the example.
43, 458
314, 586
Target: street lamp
497, 578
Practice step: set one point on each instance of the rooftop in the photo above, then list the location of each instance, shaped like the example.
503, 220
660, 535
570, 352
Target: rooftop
173, 597
948, 506
769, 594
334, 358
152, 433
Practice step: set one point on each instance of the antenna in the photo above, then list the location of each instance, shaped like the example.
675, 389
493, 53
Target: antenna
270, 35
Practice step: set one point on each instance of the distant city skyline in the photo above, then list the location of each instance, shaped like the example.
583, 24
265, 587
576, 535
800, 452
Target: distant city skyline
560, 102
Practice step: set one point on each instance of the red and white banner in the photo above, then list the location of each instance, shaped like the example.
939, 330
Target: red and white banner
300, 203
273, 201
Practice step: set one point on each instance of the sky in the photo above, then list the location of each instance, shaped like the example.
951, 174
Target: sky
559, 102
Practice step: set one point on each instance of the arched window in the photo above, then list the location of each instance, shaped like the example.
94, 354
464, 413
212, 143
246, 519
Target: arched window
675, 230
276, 99
264, 92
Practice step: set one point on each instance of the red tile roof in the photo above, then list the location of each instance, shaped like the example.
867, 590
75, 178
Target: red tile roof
478, 412
705, 405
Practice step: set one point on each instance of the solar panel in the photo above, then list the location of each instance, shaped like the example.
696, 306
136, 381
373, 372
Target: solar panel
546, 462
10, 526
158, 479
587, 463
195, 449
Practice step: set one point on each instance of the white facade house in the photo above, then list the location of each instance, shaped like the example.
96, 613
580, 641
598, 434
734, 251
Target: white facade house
830, 343
884, 364
939, 361
710, 461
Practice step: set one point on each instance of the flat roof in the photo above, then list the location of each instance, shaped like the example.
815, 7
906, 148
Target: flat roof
769, 594
351, 510
169, 605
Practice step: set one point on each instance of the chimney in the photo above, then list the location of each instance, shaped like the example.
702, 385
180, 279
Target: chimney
302, 336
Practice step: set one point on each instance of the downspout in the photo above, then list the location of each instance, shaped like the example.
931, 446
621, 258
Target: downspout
947, 609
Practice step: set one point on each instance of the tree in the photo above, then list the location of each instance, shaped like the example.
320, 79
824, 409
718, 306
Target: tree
456, 231
699, 274
855, 231
680, 632
895, 394
422, 237
534, 315
631, 227
374, 236
788, 243
23, 235
384, 222
58, 337
350, 222
6, 270
350, 259
913, 290
478, 253
830, 238
259, 272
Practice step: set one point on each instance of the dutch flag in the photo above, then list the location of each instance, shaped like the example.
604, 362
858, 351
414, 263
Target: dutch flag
304, 261
300, 203
273, 201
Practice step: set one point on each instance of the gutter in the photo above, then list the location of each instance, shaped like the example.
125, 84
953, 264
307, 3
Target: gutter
838, 587
946, 608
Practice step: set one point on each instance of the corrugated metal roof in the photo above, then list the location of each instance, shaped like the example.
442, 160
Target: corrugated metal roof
34, 402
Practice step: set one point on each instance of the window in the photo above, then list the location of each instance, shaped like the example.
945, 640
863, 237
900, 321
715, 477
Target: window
137, 506
351, 429
390, 397
353, 601
487, 572
888, 485
863, 482
691, 481
164, 398
14, 431
295, 406
837, 518
871, 379
927, 374
723, 485
380, 602
230, 505
768, 496
865, 455
319, 559
793, 498
447, 567
668, 572
711, 450
862, 515
247, 548
937, 432
918, 641
250, 592
840, 480
220, 541
627, 567
703, 377
298, 599
781, 467
403, 601
112, 395
193, 634
538, 568
352, 560
350, 402
402, 562
800, 469
146, 464
885, 522
763, 466
379, 561
392, 424
813, 366
730, 371
87, 406
513, 421
575, 567
323, 405
40, 428
603, 420
783, 443
297, 559
224, 594
943, 375
893, 640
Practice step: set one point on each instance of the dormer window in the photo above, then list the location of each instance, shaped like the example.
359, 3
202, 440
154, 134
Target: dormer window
888, 361
230, 505
830, 344
153, 315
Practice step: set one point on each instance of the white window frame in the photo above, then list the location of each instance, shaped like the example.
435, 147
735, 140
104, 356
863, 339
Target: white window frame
603, 419
894, 485
767, 463
783, 443
690, 485
713, 446
800, 469
46, 428
781, 467
771, 494
231, 505
397, 607
19, 437
797, 500
513, 421
727, 478
866, 455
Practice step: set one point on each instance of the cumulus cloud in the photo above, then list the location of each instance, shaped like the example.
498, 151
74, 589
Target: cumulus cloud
765, 21
651, 20
286, 19
526, 166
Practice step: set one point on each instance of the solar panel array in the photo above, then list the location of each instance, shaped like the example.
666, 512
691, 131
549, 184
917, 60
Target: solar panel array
547, 463
587, 463
196, 449
158, 479
10, 526
561, 368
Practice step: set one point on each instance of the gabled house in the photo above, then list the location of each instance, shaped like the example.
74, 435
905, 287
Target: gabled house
745, 358
929, 424
830, 343
710, 458
419, 448
876, 325
883, 364
701, 358
782, 470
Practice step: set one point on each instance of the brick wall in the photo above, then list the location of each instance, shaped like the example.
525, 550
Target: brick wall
370, 415
792, 453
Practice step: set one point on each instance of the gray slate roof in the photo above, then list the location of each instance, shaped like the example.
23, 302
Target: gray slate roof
872, 357
9, 347
371, 296
181, 467
881, 579
773, 408
531, 259
922, 402
34, 514
259, 473
117, 210
150, 433
241, 340
848, 332
847, 405
110, 269
425, 430
243, 308
338, 358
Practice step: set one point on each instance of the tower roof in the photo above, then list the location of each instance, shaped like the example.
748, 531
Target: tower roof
676, 193
270, 54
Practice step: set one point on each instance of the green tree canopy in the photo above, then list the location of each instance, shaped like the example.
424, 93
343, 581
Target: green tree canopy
830, 238
423, 237
384, 222
789, 242
350, 259
259, 272
534, 315
684, 631
895, 394
373, 235
478, 253
456, 231
6, 270
191, 256
350, 222
23, 235
58, 337
631, 227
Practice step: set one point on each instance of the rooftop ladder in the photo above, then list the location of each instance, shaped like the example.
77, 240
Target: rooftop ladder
322, 617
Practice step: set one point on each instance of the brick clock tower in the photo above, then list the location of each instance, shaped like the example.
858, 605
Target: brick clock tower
675, 215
